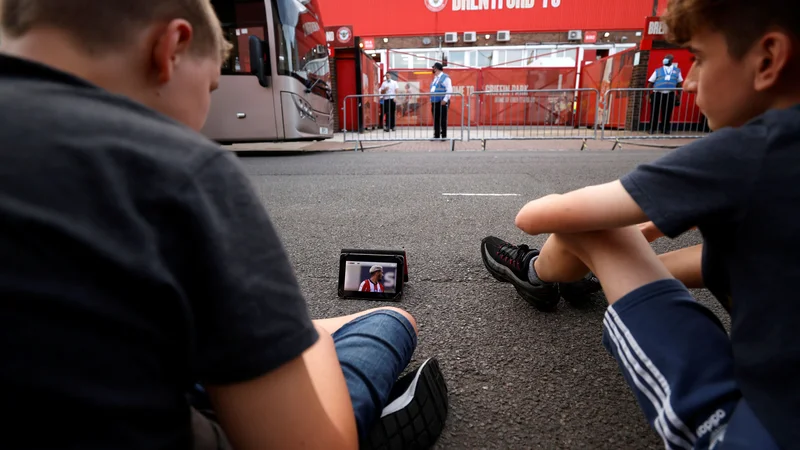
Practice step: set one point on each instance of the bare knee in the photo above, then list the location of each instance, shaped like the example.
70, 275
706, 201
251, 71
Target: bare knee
621, 258
405, 314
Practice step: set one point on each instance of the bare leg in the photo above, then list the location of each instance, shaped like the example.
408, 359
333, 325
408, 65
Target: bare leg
558, 263
333, 324
621, 258
673, 352
686, 265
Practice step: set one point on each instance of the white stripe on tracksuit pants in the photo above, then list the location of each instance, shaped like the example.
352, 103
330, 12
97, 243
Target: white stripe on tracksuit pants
677, 358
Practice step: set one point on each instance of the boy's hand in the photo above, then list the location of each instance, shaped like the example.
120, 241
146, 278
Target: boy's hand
650, 231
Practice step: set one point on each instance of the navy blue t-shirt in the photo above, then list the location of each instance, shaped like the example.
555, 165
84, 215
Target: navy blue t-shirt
741, 187
135, 260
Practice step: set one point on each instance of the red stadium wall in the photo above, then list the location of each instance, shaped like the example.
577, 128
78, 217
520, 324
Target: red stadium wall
417, 17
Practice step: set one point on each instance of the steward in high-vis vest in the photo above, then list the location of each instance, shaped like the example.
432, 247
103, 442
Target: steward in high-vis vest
665, 82
441, 88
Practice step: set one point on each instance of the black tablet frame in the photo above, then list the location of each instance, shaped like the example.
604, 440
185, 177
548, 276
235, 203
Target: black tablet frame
378, 256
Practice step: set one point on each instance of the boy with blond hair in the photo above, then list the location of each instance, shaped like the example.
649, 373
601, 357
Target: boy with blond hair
698, 387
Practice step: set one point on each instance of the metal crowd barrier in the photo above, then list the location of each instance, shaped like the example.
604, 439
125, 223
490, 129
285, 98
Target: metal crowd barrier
364, 120
646, 113
533, 115
548, 114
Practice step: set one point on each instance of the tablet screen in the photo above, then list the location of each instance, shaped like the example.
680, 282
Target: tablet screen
370, 276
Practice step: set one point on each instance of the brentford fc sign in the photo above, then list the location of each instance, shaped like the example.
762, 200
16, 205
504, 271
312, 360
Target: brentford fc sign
497, 5
343, 35
435, 5
655, 28
340, 36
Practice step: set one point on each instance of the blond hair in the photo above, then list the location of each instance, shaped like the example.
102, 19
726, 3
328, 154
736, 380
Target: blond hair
104, 25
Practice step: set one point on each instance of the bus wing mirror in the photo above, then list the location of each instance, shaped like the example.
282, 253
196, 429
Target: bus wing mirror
257, 64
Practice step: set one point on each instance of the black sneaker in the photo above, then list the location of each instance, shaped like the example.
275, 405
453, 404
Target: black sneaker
416, 414
509, 263
579, 293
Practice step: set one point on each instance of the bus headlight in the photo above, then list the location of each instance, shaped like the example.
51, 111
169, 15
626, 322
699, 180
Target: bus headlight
304, 108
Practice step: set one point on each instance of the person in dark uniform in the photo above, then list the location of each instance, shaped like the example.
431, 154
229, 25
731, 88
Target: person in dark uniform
441, 88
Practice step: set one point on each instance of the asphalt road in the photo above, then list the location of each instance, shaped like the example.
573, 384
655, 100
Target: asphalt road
518, 379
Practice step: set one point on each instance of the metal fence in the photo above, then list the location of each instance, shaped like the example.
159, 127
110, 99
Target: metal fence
533, 114
549, 114
409, 118
651, 114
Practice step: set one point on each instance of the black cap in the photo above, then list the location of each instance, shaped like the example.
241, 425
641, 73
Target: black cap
438, 66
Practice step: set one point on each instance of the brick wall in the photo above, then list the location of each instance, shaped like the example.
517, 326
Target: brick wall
401, 42
638, 80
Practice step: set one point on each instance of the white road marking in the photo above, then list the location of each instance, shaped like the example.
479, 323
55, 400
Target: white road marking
464, 194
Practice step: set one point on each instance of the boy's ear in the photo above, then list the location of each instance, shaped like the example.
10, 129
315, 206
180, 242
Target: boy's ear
171, 44
773, 53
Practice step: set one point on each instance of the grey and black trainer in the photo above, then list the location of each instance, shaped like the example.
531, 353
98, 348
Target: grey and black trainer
509, 263
416, 414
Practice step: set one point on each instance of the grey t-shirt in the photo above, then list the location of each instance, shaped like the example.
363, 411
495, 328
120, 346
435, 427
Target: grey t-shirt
741, 187
136, 261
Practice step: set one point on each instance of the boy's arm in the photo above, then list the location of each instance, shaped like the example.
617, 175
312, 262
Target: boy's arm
272, 375
651, 231
589, 209
709, 181
303, 404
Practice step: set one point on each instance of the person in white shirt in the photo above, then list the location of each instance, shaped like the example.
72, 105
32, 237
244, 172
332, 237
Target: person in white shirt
375, 281
441, 88
389, 90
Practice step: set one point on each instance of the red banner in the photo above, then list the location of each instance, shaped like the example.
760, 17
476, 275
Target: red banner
526, 108
370, 81
613, 72
507, 108
416, 110
427, 17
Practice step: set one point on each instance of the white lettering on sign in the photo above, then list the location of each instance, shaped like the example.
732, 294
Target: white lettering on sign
330, 36
516, 89
465, 91
657, 28
491, 5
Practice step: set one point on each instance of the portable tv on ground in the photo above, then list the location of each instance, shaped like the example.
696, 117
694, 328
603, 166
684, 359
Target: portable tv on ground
372, 274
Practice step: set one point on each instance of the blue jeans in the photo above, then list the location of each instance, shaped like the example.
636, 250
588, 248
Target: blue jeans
373, 351
677, 358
